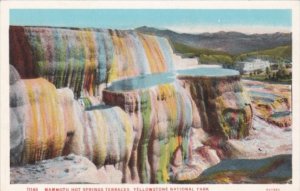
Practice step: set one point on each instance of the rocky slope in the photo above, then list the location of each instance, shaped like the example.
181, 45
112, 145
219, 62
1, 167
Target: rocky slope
230, 42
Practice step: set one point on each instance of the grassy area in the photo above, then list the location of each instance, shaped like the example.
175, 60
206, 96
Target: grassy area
205, 56
282, 74
278, 54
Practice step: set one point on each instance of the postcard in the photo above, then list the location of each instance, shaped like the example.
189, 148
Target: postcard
150, 96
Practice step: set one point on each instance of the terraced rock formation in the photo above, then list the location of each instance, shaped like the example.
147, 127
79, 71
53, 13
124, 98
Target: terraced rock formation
114, 98
84, 59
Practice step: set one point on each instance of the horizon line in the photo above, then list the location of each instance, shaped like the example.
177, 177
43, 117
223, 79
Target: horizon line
193, 32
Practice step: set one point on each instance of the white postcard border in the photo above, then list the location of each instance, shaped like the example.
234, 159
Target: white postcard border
4, 85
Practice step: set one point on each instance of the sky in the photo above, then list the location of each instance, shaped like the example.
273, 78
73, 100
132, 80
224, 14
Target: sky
179, 20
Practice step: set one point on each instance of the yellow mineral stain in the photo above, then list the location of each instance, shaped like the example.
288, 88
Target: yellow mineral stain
102, 134
91, 61
147, 48
45, 129
113, 73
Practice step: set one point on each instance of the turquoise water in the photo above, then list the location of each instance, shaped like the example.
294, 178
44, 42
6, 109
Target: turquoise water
209, 72
281, 114
264, 99
149, 80
141, 82
263, 95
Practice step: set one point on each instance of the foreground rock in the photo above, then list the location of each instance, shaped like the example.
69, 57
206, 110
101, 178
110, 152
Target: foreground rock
265, 140
71, 169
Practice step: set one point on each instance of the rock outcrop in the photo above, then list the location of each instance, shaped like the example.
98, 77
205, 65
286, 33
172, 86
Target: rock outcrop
44, 126
105, 136
223, 100
162, 117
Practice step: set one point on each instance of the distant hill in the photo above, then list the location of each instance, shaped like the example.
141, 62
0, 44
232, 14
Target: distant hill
206, 56
233, 43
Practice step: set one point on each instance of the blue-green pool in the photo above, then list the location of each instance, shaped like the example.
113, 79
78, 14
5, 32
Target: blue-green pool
281, 114
141, 82
209, 72
149, 80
